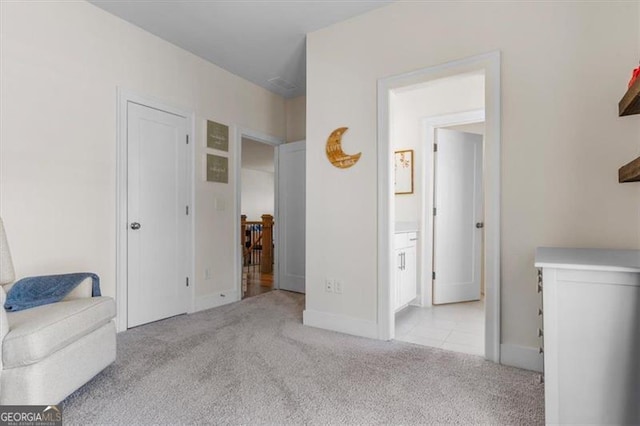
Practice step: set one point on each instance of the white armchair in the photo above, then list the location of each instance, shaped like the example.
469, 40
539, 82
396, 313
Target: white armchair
49, 351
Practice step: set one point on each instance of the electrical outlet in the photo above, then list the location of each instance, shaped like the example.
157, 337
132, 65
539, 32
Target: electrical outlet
337, 287
328, 285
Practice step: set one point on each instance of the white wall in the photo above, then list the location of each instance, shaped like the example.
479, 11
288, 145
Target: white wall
475, 128
257, 179
564, 68
257, 193
296, 118
61, 63
257, 155
409, 107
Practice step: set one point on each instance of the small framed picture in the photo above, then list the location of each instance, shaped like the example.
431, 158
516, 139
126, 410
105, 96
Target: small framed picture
404, 172
217, 136
217, 169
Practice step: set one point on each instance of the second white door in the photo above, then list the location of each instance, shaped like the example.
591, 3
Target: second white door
291, 216
458, 221
157, 203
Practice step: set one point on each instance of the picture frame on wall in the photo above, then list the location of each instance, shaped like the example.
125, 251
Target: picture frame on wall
217, 136
403, 165
217, 169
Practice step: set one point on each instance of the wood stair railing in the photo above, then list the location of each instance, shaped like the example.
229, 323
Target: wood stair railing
256, 239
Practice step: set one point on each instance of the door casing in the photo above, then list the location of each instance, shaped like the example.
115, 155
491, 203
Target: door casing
124, 97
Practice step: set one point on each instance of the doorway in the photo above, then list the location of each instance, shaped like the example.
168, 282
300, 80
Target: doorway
257, 206
289, 212
392, 216
453, 317
154, 244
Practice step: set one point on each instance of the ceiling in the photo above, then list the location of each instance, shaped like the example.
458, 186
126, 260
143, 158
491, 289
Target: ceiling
256, 40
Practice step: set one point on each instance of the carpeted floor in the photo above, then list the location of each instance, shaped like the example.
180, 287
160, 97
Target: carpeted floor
253, 362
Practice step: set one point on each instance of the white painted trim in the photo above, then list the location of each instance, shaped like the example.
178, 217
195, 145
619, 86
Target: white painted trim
492, 201
386, 217
124, 96
276, 217
429, 126
521, 357
340, 323
214, 300
490, 62
269, 140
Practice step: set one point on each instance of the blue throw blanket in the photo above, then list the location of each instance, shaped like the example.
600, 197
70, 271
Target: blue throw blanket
35, 291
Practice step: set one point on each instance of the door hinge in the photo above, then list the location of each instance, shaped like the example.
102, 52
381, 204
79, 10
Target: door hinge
434, 211
187, 281
187, 209
435, 147
433, 275
187, 139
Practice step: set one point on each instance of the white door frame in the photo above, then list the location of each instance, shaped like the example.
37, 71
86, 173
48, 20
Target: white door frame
429, 126
269, 140
125, 96
490, 63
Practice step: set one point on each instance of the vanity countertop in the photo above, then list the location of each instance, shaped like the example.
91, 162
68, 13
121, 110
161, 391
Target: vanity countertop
588, 259
406, 227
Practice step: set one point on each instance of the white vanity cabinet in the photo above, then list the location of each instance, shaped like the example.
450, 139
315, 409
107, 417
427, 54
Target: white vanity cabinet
405, 291
591, 335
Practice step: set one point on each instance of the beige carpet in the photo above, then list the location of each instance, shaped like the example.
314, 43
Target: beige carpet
253, 362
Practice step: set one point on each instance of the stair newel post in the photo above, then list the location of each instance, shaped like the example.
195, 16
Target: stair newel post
267, 244
243, 237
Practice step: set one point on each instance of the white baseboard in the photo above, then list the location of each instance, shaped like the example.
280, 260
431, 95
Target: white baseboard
340, 323
215, 299
521, 357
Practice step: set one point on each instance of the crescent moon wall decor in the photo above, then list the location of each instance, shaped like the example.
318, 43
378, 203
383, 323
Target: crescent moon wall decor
335, 154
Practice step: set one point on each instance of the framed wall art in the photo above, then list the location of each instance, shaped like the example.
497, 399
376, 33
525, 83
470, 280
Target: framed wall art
403, 165
217, 136
217, 169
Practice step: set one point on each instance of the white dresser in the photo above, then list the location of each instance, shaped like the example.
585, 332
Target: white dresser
405, 245
591, 311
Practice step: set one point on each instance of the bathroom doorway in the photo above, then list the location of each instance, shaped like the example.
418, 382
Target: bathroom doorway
462, 90
454, 317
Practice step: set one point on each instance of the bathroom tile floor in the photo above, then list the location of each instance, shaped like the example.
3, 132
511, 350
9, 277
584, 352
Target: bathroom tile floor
456, 327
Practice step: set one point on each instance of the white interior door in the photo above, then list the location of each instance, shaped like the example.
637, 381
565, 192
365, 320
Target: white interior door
457, 239
157, 199
291, 216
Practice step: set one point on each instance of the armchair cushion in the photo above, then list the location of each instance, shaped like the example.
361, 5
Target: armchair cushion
4, 321
36, 333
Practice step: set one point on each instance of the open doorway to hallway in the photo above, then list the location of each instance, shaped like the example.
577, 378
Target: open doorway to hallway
257, 206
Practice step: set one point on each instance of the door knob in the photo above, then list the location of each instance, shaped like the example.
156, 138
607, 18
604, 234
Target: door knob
135, 225
480, 225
